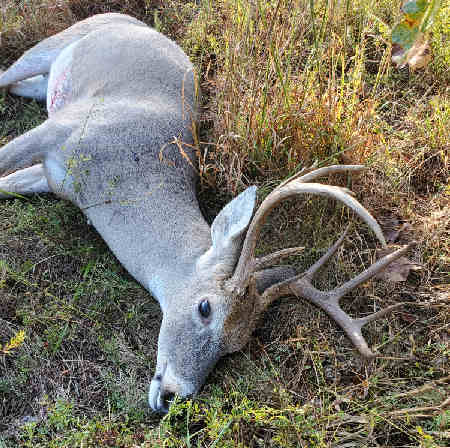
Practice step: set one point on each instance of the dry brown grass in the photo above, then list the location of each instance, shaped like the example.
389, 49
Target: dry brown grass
282, 96
284, 93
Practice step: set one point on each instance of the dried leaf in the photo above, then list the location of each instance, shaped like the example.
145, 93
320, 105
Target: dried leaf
419, 56
409, 37
398, 270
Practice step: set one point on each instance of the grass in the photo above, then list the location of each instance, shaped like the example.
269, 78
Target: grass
285, 83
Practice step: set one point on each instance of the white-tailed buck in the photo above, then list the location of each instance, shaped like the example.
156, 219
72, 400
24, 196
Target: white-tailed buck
118, 144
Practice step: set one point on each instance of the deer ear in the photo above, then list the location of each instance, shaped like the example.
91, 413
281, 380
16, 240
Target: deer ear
230, 224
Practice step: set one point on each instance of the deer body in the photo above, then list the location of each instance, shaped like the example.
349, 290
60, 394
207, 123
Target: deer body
110, 152
117, 143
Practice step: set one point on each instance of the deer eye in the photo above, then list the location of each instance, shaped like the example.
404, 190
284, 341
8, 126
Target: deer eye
204, 308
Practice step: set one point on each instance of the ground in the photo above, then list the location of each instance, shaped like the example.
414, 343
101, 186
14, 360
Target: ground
284, 84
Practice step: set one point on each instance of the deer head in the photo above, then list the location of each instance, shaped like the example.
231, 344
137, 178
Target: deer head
231, 288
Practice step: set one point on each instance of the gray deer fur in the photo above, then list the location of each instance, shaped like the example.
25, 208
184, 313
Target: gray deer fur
121, 98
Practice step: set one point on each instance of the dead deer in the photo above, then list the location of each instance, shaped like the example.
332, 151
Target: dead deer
121, 99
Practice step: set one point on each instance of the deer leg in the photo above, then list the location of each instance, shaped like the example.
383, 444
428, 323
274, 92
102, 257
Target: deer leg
35, 88
32, 147
34, 62
24, 182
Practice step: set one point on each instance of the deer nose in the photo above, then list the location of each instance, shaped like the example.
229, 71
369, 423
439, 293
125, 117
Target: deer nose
160, 396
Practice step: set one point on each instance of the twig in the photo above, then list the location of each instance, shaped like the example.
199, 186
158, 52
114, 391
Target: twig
423, 388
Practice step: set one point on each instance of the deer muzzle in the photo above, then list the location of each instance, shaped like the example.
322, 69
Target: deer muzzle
165, 386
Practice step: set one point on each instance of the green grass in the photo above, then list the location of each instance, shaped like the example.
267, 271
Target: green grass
284, 83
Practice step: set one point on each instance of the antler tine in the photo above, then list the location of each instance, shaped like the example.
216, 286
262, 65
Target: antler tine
247, 262
303, 171
309, 274
313, 174
283, 288
381, 264
328, 301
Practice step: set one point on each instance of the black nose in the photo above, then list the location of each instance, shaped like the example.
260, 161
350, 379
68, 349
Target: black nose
167, 398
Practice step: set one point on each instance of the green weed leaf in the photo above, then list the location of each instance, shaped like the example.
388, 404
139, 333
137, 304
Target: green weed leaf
13, 195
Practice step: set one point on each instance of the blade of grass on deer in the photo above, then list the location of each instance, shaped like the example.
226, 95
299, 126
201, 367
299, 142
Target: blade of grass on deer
13, 195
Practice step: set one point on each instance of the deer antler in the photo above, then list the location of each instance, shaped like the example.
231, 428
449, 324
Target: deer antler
301, 285
294, 186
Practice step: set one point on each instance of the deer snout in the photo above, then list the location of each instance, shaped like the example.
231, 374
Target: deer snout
159, 397
162, 392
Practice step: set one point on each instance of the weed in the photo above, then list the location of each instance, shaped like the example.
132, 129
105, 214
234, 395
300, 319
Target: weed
14, 343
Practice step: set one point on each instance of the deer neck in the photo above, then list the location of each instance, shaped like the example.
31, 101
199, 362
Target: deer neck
158, 240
